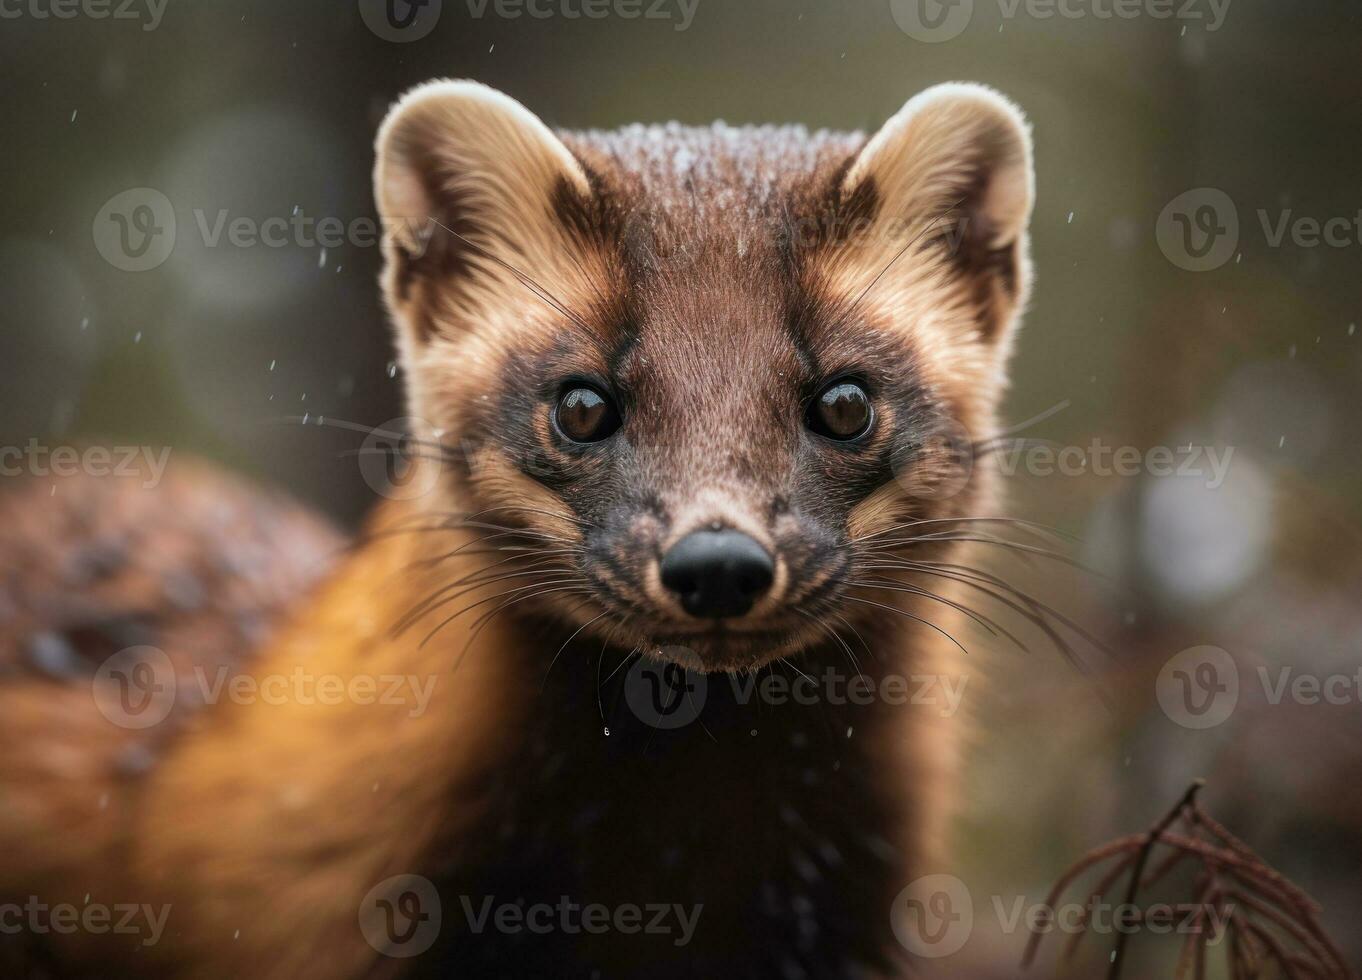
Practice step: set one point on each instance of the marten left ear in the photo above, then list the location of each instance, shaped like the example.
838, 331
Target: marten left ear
477, 196
953, 166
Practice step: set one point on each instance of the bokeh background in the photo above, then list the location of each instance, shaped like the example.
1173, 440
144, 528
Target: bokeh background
267, 109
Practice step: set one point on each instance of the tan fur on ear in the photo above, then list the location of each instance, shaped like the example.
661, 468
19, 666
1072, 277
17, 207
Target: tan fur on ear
951, 184
952, 142
456, 158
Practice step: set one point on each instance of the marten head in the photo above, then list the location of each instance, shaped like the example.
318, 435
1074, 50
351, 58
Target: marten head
705, 366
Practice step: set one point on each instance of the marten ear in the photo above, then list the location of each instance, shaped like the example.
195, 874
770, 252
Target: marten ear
953, 166
471, 185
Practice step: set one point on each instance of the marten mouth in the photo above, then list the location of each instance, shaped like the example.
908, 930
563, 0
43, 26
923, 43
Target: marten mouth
680, 634
727, 644
723, 646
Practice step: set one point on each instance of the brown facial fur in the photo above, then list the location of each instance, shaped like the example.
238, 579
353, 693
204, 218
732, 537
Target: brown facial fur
711, 280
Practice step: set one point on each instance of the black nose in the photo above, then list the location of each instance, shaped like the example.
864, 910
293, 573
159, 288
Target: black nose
717, 573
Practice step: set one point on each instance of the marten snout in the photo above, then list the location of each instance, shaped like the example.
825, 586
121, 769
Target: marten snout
717, 574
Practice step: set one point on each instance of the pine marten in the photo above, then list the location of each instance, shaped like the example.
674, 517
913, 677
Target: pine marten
686, 399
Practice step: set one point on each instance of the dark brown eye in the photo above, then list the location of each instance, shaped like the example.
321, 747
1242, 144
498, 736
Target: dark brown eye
585, 415
841, 411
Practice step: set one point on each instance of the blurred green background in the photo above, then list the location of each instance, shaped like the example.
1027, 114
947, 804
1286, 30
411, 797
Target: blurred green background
267, 109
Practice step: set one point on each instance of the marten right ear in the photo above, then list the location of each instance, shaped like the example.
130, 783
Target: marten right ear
954, 165
474, 191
